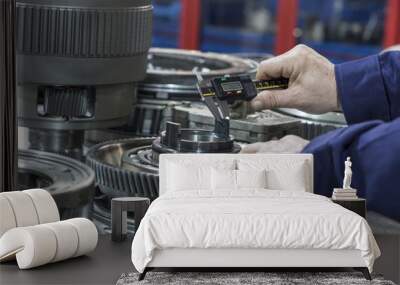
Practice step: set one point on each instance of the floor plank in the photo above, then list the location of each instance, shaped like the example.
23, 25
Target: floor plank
102, 266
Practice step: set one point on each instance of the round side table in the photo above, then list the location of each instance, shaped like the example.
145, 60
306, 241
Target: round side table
119, 212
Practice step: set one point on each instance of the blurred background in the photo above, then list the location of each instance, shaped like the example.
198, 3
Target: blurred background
89, 114
341, 30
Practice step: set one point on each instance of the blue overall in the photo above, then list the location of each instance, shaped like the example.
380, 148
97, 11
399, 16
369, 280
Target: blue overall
369, 92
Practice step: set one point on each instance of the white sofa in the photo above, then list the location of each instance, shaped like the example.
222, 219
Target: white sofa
31, 231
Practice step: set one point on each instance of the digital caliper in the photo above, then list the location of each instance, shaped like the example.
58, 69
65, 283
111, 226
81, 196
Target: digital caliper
218, 92
239, 87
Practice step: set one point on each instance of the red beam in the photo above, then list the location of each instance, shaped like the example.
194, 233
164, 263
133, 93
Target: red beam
286, 23
392, 23
189, 35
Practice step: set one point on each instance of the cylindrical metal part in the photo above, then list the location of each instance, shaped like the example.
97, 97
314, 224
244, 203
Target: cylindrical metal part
108, 106
67, 143
70, 182
193, 141
81, 42
78, 62
8, 125
313, 125
172, 134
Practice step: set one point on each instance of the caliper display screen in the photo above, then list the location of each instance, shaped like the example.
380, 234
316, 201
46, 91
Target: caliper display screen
234, 88
231, 86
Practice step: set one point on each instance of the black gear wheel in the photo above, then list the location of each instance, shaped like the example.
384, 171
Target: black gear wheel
116, 178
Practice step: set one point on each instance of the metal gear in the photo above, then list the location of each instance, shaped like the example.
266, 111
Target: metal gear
70, 182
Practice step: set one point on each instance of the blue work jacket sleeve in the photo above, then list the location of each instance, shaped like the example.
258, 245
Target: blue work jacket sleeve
369, 91
369, 88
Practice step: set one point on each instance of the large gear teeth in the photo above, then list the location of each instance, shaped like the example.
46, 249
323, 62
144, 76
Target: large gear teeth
113, 178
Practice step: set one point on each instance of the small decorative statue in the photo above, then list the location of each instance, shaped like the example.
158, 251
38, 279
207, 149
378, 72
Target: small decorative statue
347, 174
346, 192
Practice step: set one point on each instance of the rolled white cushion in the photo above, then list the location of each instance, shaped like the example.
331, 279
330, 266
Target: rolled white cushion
40, 244
23, 208
66, 238
7, 218
87, 235
33, 246
45, 205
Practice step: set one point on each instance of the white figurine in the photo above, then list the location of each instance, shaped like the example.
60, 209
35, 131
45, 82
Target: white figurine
347, 174
347, 192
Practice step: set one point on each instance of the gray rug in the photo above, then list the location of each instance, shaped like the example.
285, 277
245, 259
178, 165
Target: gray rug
243, 278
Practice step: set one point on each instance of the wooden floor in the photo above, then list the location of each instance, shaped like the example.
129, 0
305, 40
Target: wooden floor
103, 266
111, 259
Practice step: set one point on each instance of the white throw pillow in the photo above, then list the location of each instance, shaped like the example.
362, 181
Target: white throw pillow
282, 174
293, 179
223, 179
251, 178
186, 175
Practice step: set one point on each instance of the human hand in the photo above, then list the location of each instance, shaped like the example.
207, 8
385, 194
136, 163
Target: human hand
312, 83
287, 144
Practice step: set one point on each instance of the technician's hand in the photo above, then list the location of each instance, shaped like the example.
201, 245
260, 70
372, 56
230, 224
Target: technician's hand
287, 144
312, 83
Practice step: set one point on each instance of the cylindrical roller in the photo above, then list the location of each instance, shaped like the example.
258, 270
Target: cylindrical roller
45, 205
87, 235
7, 218
67, 240
33, 246
23, 207
37, 245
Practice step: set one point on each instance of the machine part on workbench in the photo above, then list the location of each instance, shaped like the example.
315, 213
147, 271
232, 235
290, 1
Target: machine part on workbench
170, 82
78, 63
177, 140
255, 56
69, 109
150, 116
170, 72
257, 127
119, 176
70, 182
129, 167
314, 125
66, 142
82, 42
117, 179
